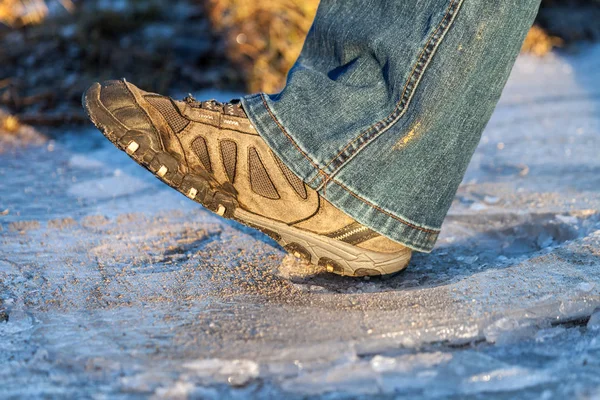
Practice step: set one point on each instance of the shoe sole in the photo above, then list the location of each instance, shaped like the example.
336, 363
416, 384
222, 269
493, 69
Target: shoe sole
334, 256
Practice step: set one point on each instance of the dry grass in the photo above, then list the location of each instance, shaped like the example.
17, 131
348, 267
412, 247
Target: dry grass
539, 42
9, 123
263, 37
16, 13
22, 12
14, 134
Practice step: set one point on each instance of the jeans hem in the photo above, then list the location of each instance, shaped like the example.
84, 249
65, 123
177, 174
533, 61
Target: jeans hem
280, 141
399, 229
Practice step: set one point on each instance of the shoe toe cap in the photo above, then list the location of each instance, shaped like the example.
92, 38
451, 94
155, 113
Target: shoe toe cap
117, 99
115, 95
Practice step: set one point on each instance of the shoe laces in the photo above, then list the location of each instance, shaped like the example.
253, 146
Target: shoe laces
233, 107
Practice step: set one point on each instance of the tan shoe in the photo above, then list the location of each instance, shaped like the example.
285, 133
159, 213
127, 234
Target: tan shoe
211, 153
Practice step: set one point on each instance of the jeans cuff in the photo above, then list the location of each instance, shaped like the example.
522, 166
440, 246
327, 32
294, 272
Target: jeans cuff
283, 144
268, 125
395, 227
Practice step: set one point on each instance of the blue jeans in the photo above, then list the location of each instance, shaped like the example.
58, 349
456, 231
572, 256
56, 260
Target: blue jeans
387, 101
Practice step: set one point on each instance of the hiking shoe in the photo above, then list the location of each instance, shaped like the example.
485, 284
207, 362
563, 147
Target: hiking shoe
211, 153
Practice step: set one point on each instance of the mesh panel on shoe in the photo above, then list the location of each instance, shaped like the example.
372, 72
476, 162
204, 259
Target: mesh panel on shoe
260, 182
296, 183
201, 150
165, 106
229, 157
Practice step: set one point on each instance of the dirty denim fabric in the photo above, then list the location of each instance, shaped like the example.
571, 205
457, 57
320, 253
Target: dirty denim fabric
387, 101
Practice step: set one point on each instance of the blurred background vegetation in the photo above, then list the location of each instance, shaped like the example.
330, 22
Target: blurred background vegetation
51, 50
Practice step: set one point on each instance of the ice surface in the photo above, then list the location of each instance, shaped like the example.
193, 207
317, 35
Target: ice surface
112, 285
594, 322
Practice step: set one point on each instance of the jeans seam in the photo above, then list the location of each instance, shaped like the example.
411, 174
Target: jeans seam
407, 223
343, 187
410, 87
369, 134
287, 135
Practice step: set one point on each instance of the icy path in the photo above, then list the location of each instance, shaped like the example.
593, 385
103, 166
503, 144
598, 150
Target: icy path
113, 285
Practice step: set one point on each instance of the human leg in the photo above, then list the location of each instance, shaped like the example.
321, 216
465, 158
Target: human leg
387, 102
